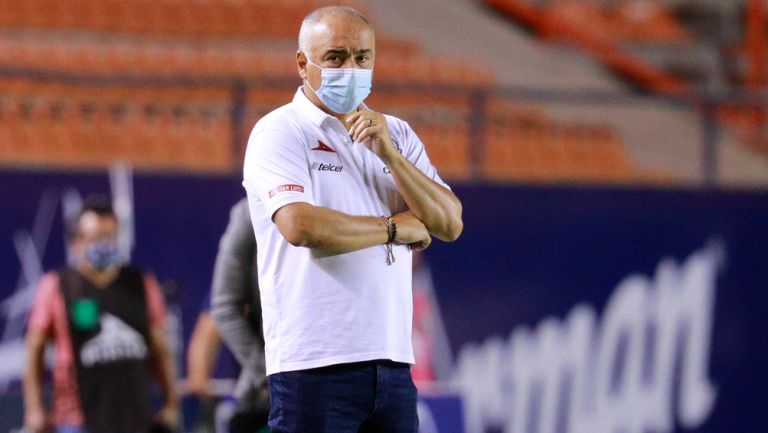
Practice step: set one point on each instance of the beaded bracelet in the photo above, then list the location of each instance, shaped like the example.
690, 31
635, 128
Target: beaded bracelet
391, 235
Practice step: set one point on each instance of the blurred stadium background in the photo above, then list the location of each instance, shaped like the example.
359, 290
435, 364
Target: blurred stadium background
590, 140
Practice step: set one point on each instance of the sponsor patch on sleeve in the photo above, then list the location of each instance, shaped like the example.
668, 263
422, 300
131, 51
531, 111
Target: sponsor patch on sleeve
284, 188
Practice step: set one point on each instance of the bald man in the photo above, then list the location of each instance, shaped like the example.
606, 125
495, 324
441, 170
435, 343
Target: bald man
339, 196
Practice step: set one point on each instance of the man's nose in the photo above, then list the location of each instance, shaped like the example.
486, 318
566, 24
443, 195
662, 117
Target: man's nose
349, 62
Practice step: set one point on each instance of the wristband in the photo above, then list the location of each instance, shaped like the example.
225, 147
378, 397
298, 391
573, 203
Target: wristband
391, 229
391, 235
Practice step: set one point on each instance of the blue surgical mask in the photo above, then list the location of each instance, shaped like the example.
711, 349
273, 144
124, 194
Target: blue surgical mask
103, 255
343, 89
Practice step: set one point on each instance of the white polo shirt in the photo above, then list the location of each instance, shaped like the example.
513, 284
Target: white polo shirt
317, 310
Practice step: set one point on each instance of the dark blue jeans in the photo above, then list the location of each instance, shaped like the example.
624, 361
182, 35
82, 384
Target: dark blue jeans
362, 397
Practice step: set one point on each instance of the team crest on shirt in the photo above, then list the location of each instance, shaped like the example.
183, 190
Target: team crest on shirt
386, 169
397, 145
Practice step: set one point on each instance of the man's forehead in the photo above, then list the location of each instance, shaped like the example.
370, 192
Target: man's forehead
92, 222
341, 33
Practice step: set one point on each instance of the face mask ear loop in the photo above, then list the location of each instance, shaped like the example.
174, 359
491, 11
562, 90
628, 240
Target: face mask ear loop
307, 79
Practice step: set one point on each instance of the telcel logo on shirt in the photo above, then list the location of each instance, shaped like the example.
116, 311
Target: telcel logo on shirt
330, 167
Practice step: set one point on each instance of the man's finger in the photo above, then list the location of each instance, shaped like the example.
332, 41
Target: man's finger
351, 118
356, 128
367, 132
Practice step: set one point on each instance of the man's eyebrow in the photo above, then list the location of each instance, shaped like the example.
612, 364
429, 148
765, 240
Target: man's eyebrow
345, 51
336, 51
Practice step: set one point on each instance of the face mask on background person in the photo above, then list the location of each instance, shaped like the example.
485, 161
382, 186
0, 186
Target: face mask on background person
103, 255
342, 89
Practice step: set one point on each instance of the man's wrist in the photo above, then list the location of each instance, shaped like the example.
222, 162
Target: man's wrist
389, 153
391, 235
395, 160
391, 229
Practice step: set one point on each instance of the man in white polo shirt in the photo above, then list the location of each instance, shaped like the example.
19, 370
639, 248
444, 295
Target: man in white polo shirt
339, 196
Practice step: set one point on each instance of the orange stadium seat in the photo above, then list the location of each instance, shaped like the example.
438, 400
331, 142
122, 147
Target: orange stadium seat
65, 133
261, 101
547, 151
422, 106
210, 147
35, 128
588, 16
10, 131
502, 161
448, 148
502, 110
646, 20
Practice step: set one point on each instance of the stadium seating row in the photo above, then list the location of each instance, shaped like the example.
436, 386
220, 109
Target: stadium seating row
399, 61
191, 129
182, 18
90, 127
540, 152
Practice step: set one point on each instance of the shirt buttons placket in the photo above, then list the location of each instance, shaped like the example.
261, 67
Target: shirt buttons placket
345, 134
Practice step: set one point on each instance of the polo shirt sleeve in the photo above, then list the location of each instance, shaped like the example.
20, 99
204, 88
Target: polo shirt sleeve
414, 151
276, 169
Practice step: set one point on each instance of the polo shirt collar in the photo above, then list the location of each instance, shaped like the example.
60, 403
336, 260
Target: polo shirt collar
315, 114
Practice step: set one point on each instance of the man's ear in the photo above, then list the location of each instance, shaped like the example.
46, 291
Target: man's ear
301, 64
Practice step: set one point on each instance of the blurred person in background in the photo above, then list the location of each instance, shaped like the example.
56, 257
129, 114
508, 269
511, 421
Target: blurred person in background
339, 196
206, 360
424, 324
237, 315
204, 347
106, 320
